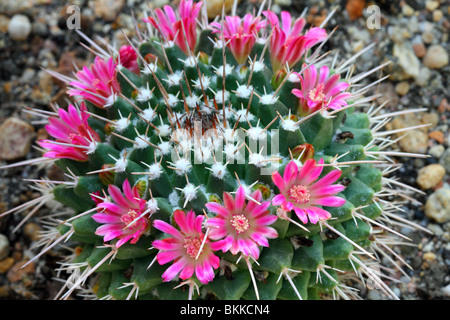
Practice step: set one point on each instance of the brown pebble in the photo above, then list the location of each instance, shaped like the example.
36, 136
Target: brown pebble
355, 8
419, 49
31, 230
437, 135
16, 273
6, 264
443, 106
15, 138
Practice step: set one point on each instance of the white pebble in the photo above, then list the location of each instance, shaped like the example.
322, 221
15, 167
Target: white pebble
19, 27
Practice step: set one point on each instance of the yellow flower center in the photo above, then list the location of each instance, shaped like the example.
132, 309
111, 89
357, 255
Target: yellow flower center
317, 94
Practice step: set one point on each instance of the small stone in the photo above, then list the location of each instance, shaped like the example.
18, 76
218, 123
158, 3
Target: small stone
430, 176
437, 206
416, 141
437, 15
432, 5
429, 256
214, 7
17, 273
4, 246
436, 57
15, 138
402, 88
445, 160
6, 264
4, 22
427, 37
355, 8
437, 135
407, 62
424, 77
436, 150
430, 118
407, 10
19, 27
419, 49
32, 231
443, 106
446, 290
108, 9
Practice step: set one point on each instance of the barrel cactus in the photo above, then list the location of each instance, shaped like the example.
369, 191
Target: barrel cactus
220, 160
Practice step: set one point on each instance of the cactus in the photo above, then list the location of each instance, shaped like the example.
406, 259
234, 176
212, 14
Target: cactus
230, 157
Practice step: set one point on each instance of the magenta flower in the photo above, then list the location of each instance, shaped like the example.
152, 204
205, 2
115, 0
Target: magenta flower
182, 29
287, 44
124, 218
320, 90
75, 139
240, 226
97, 83
183, 248
302, 192
239, 34
128, 59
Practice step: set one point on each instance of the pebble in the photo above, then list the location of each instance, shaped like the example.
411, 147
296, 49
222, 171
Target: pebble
214, 7
4, 246
429, 256
402, 88
431, 5
416, 141
437, 135
425, 75
446, 290
108, 9
6, 264
430, 176
32, 231
437, 206
436, 151
437, 15
4, 21
15, 138
407, 10
445, 160
19, 27
17, 273
436, 57
407, 62
419, 49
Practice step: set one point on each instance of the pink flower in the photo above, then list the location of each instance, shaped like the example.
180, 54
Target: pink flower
302, 192
183, 247
240, 226
74, 137
97, 83
239, 34
180, 29
287, 44
128, 59
123, 218
320, 90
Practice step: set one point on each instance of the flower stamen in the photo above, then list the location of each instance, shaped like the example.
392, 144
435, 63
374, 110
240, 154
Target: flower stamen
299, 194
240, 223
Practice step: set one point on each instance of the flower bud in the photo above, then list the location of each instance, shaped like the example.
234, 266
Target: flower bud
306, 151
107, 176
